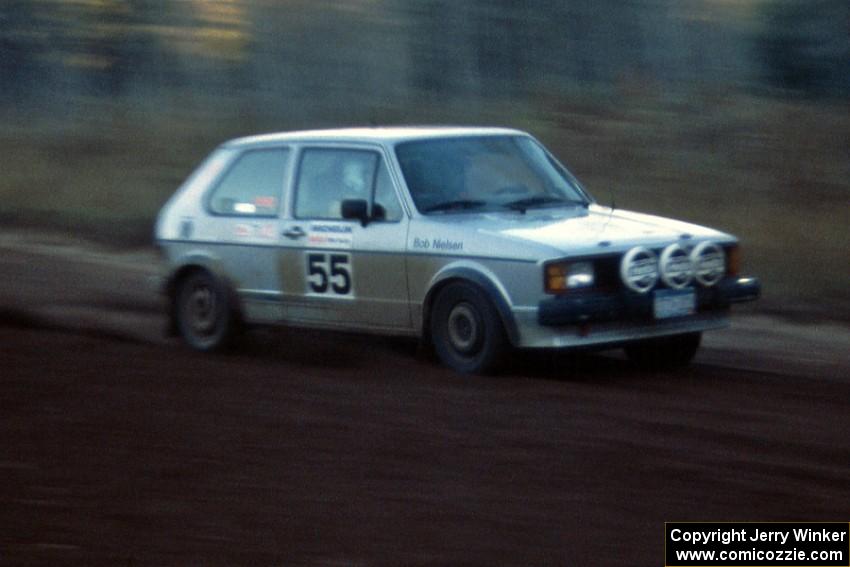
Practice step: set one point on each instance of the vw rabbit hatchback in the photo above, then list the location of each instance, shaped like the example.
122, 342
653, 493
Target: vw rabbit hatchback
474, 240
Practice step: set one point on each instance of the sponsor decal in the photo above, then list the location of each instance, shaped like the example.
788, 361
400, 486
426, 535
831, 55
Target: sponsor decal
242, 230
328, 235
265, 202
265, 231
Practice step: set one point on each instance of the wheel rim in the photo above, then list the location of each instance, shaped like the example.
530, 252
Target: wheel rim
201, 310
464, 329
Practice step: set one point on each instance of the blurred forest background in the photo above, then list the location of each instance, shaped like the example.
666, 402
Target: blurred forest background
731, 113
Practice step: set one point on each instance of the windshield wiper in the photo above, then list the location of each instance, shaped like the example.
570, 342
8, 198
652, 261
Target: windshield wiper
522, 204
455, 205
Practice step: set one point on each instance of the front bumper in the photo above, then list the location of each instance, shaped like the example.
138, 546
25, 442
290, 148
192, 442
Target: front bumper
587, 307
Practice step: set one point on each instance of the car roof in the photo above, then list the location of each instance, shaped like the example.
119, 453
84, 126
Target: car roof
388, 135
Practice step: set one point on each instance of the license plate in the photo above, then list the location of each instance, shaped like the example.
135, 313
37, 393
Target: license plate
669, 303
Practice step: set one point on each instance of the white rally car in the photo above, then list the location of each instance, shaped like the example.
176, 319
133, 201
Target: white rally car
472, 239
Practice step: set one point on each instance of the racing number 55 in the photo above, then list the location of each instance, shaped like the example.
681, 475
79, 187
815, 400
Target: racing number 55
329, 273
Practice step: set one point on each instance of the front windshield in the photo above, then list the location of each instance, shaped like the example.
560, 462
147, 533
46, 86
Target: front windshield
485, 173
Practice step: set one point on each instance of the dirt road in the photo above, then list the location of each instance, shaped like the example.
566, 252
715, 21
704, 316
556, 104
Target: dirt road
119, 447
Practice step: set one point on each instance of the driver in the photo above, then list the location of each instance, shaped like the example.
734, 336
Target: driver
353, 185
354, 180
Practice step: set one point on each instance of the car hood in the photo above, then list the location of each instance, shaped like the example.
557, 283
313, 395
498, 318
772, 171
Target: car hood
592, 230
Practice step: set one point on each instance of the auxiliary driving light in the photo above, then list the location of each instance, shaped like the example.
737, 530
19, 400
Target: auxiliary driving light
709, 263
677, 270
639, 269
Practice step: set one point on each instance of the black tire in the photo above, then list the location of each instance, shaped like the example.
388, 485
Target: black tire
206, 318
466, 330
664, 353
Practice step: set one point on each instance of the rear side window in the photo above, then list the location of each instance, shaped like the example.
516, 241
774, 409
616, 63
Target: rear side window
253, 184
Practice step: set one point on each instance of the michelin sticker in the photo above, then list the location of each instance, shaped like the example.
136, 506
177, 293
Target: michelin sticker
326, 235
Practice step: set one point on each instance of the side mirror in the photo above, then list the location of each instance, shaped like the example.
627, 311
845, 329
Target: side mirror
357, 209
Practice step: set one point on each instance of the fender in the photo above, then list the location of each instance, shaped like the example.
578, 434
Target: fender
194, 260
474, 276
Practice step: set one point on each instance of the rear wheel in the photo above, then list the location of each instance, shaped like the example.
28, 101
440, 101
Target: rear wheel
205, 315
466, 330
664, 353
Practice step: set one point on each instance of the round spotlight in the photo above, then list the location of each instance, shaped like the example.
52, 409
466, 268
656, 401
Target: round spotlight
676, 267
709, 263
639, 269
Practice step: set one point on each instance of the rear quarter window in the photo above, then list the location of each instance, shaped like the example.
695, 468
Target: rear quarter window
252, 185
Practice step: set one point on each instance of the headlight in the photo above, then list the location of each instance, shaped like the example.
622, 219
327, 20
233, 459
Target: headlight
563, 276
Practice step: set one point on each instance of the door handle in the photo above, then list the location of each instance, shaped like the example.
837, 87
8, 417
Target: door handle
294, 233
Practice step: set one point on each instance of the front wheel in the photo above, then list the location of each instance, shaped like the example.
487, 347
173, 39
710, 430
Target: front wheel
665, 353
466, 330
205, 315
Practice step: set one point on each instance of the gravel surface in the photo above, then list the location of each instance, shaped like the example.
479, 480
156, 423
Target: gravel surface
121, 447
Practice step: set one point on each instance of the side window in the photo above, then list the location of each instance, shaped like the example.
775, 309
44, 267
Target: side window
327, 177
252, 185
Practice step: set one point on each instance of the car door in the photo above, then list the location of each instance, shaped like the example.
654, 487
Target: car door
338, 272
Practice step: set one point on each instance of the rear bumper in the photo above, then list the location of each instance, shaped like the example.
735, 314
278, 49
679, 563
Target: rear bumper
627, 306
